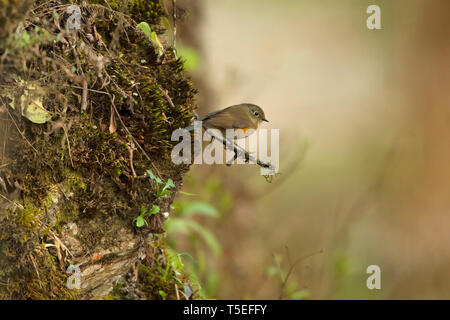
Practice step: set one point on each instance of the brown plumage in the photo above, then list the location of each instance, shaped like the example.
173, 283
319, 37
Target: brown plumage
243, 116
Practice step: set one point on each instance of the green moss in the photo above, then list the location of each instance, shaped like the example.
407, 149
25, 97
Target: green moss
51, 283
147, 10
117, 292
73, 168
30, 217
70, 210
74, 181
152, 284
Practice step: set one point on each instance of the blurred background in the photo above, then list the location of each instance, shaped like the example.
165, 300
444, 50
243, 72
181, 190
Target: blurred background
364, 150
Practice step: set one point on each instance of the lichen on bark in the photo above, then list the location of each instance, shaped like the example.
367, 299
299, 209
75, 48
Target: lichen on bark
71, 187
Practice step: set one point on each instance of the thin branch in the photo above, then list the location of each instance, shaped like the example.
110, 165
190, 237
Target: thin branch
66, 133
291, 268
176, 291
13, 202
240, 152
36, 268
85, 96
131, 148
166, 95
21, 133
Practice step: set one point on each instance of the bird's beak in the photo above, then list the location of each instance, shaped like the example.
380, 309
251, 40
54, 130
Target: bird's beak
265, 120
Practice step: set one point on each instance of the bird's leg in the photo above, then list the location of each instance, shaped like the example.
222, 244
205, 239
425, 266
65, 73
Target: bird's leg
229, 163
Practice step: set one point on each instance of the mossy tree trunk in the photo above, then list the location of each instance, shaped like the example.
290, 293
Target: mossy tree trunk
84, 113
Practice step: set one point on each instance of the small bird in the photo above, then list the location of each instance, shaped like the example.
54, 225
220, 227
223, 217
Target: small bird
243, 116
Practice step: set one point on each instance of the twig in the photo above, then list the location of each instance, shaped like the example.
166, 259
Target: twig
166, 95
17, 204
21, 133
131, 148
291, 268
83, 81
85, 95
112, 122
59, 244
176, 291
35, 267
240, 152
96, 91
68, 145
184, 294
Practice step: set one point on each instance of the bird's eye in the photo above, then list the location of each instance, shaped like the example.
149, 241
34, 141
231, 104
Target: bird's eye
256, 113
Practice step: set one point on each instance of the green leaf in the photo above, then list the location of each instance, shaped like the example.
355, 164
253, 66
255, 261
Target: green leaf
153, 177
165, 190
140, 221
163, 193
155, 209
272, 271
146, 28
299, 295
207, 236
145, 213
25, 38
185, 227
200, 208
186, 193
152, 37
177, 263
166, 23
158, 46
176, 225
31, 104
169, 184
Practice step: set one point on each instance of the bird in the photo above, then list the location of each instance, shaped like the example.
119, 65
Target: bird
245, 116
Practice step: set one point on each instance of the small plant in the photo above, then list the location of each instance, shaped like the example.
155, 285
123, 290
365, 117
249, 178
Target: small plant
140, 221
162, 294
288, 289
151, 35
162, 188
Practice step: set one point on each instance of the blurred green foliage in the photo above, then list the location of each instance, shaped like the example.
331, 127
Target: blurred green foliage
191, 57
185, 225
189, 230
282, 274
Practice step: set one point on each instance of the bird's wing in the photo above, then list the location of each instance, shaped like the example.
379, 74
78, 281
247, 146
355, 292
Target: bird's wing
222, 119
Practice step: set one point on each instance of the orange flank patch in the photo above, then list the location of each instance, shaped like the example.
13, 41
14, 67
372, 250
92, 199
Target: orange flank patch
97, 256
